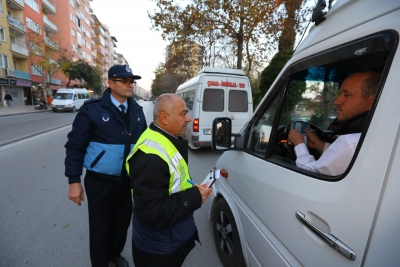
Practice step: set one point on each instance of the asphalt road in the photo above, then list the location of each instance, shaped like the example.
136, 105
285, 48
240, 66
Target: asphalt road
39, 226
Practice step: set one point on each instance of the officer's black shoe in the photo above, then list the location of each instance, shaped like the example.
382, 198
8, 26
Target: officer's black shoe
120, 261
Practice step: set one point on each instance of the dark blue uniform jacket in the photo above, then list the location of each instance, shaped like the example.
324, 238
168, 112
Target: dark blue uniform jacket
100, 139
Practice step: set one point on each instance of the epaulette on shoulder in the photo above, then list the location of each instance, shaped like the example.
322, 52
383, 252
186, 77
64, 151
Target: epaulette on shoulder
92, 100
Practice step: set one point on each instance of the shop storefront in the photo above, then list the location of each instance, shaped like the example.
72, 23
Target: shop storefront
20, 90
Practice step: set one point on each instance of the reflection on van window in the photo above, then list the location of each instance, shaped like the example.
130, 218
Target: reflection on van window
261, 131
311, 96
188, 98
213, 100
238, 101
63, 96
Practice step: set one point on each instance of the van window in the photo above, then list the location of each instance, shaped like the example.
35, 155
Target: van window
213, 100
238, 101
63, 96
307, 92
80, 96
188, 98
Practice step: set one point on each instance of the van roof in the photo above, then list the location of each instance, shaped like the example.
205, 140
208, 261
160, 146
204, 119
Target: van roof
343, 11
72, 89
221, 70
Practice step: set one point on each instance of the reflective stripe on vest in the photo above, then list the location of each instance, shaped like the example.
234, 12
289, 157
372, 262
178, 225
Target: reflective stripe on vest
152, 142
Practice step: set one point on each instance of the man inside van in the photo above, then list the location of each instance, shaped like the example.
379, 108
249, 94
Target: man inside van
355, 99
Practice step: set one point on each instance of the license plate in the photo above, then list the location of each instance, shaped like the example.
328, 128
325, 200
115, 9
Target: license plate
207, 132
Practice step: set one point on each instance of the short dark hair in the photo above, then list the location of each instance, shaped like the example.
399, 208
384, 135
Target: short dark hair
6, 91
369, 86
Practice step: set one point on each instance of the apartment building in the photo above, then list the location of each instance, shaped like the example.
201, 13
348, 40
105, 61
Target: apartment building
74, 33
75, 29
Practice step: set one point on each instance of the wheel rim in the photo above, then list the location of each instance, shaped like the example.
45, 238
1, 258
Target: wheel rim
225, 234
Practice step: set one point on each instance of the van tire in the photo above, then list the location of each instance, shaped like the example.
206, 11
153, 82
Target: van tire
74, 109
223, 220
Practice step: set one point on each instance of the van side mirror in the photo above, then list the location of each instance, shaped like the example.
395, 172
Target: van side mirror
221, 134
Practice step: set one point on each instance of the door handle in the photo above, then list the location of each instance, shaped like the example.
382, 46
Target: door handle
330, 239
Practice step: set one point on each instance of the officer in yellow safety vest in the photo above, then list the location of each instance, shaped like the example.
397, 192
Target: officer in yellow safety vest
163, 227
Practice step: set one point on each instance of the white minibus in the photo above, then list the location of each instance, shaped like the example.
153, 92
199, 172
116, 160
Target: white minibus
69, 99
215, 92
340, 206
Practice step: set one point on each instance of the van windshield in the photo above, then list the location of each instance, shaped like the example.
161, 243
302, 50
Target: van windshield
63, 96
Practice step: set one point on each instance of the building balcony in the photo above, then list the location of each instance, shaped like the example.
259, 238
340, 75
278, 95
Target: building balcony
22, 75
48, 25
50, 43
16, 4
81, 56
18, 26
19, 51
48, 7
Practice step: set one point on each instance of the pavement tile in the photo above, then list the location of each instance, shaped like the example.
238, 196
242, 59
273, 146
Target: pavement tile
16, 110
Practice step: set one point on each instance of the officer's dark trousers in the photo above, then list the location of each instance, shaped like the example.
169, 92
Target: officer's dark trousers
110, 211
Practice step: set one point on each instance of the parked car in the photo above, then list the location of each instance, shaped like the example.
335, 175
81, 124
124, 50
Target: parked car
267, 210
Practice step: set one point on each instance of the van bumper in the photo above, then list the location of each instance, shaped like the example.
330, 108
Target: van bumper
62, 108
197, 143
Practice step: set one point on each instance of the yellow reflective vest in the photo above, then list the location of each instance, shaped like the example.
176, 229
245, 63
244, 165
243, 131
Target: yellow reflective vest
152, 142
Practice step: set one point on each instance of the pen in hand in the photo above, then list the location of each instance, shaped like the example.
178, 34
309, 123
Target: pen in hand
198, 186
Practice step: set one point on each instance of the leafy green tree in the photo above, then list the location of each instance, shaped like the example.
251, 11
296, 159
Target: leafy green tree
285, 46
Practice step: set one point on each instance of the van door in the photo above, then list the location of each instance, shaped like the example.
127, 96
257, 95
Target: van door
274, 197
213, 103
239, 104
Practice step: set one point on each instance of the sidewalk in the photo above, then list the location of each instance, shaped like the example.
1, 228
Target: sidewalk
16, 110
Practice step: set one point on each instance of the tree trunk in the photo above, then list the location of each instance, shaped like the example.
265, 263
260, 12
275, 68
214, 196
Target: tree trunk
240, 37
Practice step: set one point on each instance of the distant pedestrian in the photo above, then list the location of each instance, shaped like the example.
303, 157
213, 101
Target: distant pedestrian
8, 98
103, 133
49, 99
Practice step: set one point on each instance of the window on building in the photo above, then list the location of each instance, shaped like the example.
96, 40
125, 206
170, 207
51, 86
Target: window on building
33, 26
3, 61
33, 4
37, 70
73, 47
72, 32
2, 34
1, 6
72, 3
72, 17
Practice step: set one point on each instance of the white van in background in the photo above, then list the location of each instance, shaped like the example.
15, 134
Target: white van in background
69, 99
270, 211
215, 92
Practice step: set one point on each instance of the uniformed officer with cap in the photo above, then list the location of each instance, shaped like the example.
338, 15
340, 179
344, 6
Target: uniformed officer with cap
103, 133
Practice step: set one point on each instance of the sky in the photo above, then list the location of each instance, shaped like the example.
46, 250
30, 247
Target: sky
128, 22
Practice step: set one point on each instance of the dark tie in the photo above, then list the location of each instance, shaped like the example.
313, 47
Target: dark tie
122, 107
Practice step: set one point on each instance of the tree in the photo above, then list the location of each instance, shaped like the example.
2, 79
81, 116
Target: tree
47, 55
285, 47
81, 70
251, 26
